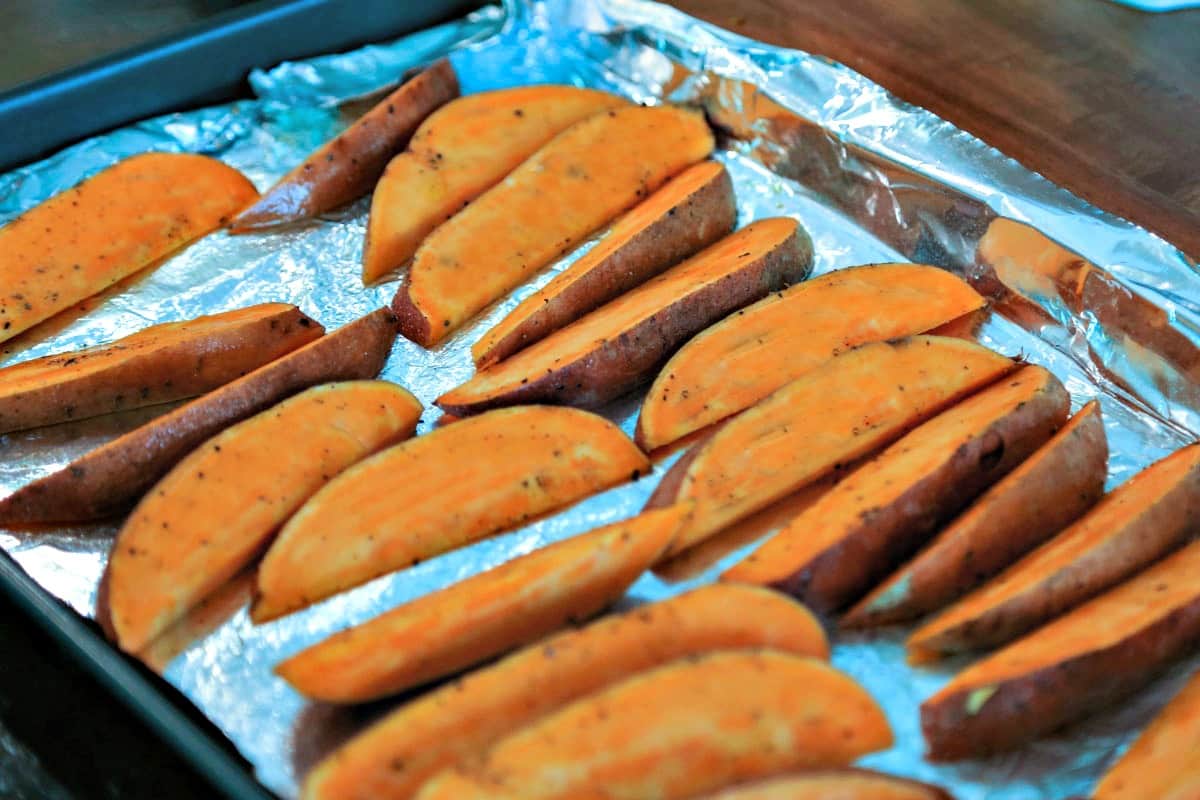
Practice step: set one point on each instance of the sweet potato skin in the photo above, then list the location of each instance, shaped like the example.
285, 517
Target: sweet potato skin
455, 485
456, 723
1133, 526
661, 231
812, 427
1164, 761
158, 364
1052, 489
737, 362
976, 716
109, 479
618, 357
837, 549
842, 784
117, 222
347, 166
485, 615
587, 173
215, 511
677, 731
461, 150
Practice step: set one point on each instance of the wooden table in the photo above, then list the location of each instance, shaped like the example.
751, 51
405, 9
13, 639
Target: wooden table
1100, 99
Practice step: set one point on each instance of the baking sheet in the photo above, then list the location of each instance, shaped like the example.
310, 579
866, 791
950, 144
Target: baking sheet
886, 168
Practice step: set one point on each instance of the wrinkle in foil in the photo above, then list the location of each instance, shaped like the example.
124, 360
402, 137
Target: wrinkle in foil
871, 178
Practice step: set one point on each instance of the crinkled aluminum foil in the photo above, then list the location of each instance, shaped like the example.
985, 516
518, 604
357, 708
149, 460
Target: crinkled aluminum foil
878, 165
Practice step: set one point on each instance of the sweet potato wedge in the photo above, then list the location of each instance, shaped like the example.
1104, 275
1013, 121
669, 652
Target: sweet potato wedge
588, 175
158, 364
115, 223
1164, 761
844, 409
513, 604
742, 359
461, 150
619, 345
112, 477
1139, 522
456, 723
841, 784
348, 165
437, 492
217, 509
835, 551
754, 528
1049, 491
1077, 665
693, 210
677, 731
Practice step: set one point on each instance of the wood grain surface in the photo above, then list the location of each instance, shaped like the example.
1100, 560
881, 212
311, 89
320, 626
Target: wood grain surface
1099, 98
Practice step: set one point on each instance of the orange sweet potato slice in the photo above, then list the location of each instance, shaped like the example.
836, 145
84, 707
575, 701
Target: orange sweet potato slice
1142, 520
678, 730
840, 411
834, 552
1049, 491
577, 183
693, 210
460, 151
1077, 665
468, 622
1164, 761
217, 509
158, 364
115, 223
109, 479
742, 359
619, 345
456, 723
841, 784
348, 165
437, 492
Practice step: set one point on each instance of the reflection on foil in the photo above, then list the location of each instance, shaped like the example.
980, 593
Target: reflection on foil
870, 177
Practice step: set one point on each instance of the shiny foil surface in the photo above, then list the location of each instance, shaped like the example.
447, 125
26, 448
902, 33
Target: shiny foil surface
870, 177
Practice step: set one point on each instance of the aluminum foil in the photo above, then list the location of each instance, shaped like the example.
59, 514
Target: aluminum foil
871, 178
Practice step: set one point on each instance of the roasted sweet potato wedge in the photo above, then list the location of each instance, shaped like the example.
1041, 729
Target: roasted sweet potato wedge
348, 165
456, 723
115, 223
841, 784
158, 364
1139, 522
677, 731
468, 622
1075, 666
1049, 491
588, 175
619, 345
835, 551
742, 359
840, 411
1164, 761
437, 492
693, 210
461, 150
217, 509
111, 478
